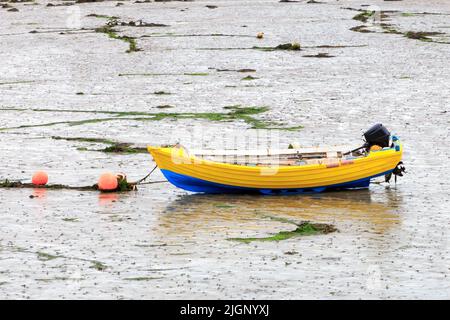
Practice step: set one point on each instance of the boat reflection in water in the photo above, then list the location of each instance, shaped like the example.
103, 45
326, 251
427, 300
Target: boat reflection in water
199, 213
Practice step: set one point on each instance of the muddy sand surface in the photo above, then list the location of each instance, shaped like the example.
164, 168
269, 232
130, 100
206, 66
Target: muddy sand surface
166, 72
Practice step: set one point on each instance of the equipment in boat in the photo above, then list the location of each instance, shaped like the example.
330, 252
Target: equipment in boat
286, 171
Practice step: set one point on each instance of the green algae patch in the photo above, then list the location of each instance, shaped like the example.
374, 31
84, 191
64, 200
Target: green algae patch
422, 35
238, 110
102, 16
142, 278
70, 219
288, 46
123, 148
248, 78
364, 16
294, 46
112, 33
388, 28
234, 113
17, 82
7, 184
45, 256
303, 229
54, 279
114, 147
98, 265
362, 29
82, 139
201, 74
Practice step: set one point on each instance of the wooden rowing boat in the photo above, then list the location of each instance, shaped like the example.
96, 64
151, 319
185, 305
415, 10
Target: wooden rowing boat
275, 171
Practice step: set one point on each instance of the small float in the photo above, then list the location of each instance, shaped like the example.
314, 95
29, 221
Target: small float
294, 170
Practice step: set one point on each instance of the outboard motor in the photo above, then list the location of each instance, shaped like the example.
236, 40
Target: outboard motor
377, 135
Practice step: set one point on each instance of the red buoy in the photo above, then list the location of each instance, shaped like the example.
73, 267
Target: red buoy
40, 178
107, 182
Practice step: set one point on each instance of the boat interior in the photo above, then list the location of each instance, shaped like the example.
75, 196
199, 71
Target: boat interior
280, 157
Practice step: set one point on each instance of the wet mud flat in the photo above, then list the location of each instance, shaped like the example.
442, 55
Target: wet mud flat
85, 86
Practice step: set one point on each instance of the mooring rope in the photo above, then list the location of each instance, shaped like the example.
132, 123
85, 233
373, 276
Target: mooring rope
144, 178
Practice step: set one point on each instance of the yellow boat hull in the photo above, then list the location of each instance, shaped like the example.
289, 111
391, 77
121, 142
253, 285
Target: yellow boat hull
198, 175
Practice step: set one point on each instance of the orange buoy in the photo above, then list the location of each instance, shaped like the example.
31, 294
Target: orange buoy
40, 178
107, 182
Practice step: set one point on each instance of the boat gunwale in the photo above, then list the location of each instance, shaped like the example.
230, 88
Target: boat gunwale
194, 160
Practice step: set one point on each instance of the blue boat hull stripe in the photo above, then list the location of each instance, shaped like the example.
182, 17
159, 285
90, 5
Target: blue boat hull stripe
198, 185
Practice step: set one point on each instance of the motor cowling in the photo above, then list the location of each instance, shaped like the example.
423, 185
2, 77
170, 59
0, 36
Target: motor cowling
377, 135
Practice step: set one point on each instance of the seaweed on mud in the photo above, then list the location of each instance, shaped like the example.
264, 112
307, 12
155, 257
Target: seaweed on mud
45, 256
319, 55
247, 78
114, 147
165, 106
109, 30
421, 35
142, 278
102, 16
337, 46
52, 279
81, 139
123, 148
388, 28
140, 23
364, 15
362, 29
87, 1
294, 46
64, 4
245, 70
410, 14
303, 229
196, 74
98, 265
234, 113
17, 82
18, 184
123, 185
18, 1
112, 33
161, 93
